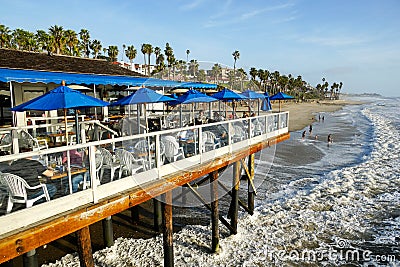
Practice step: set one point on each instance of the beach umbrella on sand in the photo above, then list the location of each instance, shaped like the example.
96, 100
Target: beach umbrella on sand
281, 96
64, 98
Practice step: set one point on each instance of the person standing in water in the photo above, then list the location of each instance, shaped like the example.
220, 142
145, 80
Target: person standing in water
310, 129
303, 135
330, 140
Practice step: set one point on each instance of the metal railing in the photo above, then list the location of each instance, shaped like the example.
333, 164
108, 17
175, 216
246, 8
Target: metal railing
150, 150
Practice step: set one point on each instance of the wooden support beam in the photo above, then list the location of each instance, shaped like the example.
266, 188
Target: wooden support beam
85, 247
214, 211
29, 259
250, 185
199, 197
157, 215
134, 214
241, 203
168, 231
233, 209
108, 233
246, 169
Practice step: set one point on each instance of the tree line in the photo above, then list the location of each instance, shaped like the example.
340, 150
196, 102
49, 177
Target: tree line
60, 41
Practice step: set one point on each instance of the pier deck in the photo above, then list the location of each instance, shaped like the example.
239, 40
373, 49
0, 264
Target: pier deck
24, 230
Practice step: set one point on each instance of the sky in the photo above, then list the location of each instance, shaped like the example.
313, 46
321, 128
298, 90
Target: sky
356, 42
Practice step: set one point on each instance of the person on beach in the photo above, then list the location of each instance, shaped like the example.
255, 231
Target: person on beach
330, 140
303, 135
310, 129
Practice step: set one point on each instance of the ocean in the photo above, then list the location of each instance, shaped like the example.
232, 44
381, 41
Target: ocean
317, 204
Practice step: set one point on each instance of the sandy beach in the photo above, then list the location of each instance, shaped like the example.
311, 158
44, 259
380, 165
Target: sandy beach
302, 114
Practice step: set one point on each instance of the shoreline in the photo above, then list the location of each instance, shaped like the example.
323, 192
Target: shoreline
303, 114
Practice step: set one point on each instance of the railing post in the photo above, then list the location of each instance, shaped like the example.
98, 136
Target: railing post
92, 171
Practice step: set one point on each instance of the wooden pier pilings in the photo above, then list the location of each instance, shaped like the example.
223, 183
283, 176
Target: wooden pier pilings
79, 220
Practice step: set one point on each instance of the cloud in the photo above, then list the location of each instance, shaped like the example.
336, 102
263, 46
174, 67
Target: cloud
228, 16
332, 41
192, 5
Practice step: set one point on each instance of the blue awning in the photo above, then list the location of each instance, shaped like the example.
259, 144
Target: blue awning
36, 76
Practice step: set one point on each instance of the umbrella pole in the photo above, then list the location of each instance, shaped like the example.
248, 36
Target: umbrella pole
77, 127
65, 122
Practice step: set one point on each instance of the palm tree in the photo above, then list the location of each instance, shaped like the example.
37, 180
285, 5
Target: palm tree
96, 46
71, 40
5, 36
123, 51
253, 73
169, 53
236, 56
113, 52
193, 67
187, 55
144, 50
216, 70
149, 51
85, 40
131, 54
57, 32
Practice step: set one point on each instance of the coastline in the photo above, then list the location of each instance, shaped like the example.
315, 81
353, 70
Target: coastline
303, 114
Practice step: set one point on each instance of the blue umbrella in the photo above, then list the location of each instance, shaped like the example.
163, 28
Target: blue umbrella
194, 96
191, 97
253, 95
266, 104
142, 96
281, 96
227, 95
62, 97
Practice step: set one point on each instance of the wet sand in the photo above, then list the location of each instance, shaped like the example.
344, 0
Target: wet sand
303, 114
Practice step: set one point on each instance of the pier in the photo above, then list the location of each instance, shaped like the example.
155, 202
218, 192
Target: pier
24, 230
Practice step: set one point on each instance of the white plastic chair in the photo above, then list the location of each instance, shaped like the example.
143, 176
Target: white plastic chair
26, 139
109, 162
6, 142
172, 149
17, 191
128, 163
209, 141
238, 134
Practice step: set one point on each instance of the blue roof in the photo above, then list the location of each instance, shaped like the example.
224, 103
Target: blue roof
36, 76
141, 96
61, 97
